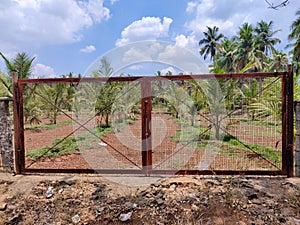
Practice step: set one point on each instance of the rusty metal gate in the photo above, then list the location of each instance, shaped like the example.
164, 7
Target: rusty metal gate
183, 124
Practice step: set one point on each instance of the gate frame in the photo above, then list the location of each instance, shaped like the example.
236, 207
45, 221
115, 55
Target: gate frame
146, 109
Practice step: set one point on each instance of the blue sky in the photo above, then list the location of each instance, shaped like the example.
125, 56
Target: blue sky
69, 35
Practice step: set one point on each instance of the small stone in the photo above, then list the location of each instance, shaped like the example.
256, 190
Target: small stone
125, 217
173, 187
76, 219
159, 201
102, 144
252, 196
194, 207
16, 219
219, 221
241, 223
49, 193
128, 205
101, 209
3, 206
256, 201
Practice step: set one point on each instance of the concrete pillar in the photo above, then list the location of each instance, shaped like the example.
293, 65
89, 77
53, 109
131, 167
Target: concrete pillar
6, 146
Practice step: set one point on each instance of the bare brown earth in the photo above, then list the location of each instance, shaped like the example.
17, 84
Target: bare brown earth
177, 200
116, 150
124, 152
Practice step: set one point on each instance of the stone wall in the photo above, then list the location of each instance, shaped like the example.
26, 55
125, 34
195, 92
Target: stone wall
297, 139
6, 146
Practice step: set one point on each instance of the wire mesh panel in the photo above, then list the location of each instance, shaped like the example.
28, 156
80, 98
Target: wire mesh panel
48, 138
245, 125
82, 125
117, 120
218, 124
173, 125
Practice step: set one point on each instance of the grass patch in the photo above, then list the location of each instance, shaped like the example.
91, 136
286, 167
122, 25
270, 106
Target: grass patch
193, 134
49, 126
265, 151
232, 145
69, 145
265, 123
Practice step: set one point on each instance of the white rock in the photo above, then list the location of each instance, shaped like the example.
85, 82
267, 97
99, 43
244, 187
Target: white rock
125, 217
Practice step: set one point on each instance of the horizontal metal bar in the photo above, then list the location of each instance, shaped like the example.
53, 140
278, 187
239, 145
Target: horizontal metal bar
151, 78
91, 171
219, 172
158, 172
5, 99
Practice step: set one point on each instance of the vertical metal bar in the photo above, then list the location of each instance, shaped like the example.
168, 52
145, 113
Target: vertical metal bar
16, 108
21, 120
146, 125
297, 147
290, 122
283, 126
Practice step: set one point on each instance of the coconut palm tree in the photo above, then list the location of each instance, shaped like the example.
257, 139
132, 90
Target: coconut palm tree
265, 37
248, 51
210, 42
22, 63
5, 85
279, 62
226, 56
295, 37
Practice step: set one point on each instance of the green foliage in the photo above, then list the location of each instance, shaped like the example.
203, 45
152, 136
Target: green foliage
53, 100
268, 104
233, 144
264, 151
21, 63
48, 126
5, 85
106, 98
69, 145
252, 46
294, 36
210, 42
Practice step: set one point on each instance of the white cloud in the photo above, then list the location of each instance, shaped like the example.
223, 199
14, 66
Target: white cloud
42, 22
169, 69
148, 28
96, 10
191, 7
136, 67
41, 70
181, 40
182, 58
113, 1
229, 15
205, 15
134, 54
189, 42
88, 49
